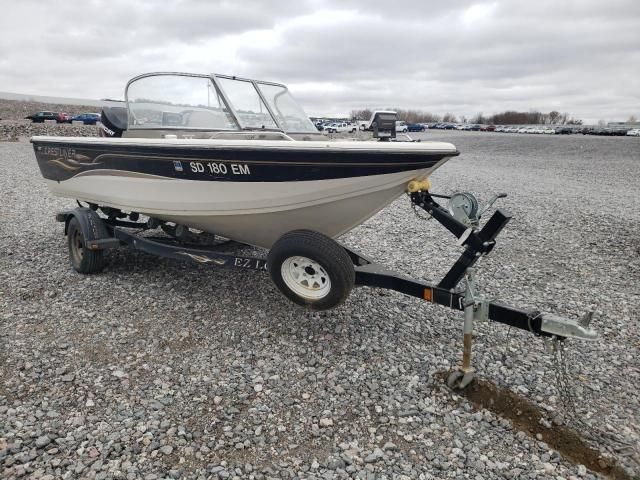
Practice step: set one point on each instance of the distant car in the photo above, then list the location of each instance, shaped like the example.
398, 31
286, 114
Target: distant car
86, 118
490, 128
63, 117
40, 117
548, 131
475, 127
634, 132
415, 127
401, 127
340, 127
564, 130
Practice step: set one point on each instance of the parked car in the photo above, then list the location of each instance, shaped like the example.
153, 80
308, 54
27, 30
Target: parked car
340, 127
86, 118
40, 117
564, 130
634, 132
490, 128
548, 131
620, 131
63, 117
401, 127
415, 127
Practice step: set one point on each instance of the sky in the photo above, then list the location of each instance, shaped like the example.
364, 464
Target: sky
463, 57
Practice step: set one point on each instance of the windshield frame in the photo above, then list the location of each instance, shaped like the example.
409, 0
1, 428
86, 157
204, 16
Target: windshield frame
214, 78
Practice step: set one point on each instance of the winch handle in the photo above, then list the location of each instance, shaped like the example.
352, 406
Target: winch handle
493, 200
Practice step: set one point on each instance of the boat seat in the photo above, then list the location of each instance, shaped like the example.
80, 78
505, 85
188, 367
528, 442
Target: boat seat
114, 121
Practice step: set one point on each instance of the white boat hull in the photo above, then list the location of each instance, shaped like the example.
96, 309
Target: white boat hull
253, 213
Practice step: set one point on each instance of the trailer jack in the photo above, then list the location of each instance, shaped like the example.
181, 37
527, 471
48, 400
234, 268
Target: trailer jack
476, 307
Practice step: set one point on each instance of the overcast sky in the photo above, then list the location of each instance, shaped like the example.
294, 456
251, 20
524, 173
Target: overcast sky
464, 57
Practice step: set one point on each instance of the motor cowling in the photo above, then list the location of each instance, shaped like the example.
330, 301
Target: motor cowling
113, 122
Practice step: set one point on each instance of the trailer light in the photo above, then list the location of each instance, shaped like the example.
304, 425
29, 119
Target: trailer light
428, 294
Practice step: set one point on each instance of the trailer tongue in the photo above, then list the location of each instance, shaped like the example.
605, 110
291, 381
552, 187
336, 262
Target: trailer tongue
316, 271
462, 221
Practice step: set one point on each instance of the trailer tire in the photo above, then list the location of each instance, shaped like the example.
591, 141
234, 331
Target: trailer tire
311, 269
83, 260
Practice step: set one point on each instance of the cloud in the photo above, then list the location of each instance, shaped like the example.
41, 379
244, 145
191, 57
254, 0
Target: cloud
459, 56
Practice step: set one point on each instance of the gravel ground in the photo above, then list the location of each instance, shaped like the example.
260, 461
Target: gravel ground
158, 369
13, 130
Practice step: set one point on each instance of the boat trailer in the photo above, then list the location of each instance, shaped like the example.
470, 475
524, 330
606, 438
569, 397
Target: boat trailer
89, 234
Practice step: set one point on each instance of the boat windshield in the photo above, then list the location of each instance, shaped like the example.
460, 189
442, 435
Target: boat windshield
216, 102
289, 114
177, 101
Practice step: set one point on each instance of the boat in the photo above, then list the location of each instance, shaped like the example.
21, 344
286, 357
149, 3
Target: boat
233, 157
239, 158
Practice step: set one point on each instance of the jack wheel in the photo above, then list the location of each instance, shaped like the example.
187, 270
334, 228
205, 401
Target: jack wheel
459, 380
82, 259
311, 269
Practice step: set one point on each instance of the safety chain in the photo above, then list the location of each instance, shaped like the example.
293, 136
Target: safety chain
417, 210
561, 359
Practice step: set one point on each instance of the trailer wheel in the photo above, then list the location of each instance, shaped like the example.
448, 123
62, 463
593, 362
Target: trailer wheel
311, 269
82, 259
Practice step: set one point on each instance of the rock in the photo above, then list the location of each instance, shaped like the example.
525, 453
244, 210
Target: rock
326, 422
43, 441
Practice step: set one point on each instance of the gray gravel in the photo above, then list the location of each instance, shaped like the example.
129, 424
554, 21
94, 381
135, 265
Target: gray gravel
13, 130
158, 369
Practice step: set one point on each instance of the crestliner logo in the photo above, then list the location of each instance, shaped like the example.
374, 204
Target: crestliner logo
177, 165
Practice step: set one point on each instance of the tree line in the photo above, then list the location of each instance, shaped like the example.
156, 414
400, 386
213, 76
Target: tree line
508, 117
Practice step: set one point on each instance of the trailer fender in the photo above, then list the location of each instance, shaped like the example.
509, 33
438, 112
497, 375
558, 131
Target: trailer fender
92, 226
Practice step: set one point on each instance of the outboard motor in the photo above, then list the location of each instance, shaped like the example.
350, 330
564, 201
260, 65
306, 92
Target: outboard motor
383, 125
113, 122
